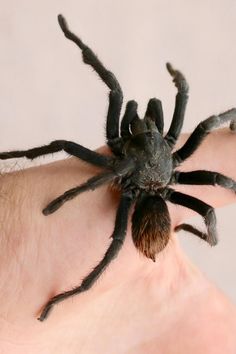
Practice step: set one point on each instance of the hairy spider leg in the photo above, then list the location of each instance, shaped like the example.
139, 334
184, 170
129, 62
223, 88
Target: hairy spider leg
92, 183
115, 96
180, 105
205, 210
200, 133
59, 145
118, 236
155, 112
129, 115
202, 177
193, 230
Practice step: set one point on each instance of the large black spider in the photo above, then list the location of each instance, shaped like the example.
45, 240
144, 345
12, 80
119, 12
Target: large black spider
142, 167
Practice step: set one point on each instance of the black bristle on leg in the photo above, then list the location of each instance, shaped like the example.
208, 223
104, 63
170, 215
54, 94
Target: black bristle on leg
115, 96
202, 177
155, 112
112, 251
91, 184
129, 116
180, 105
189, 228
205, 210
200, 133
70, 147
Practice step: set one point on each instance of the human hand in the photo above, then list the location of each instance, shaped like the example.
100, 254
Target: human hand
137, 306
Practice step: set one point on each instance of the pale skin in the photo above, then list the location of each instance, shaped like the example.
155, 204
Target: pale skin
137, 306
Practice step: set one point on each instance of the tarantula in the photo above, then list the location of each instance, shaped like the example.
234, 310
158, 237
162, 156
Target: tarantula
143, 167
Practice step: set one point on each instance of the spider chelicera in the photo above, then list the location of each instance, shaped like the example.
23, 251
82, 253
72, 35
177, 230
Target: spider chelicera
143, 167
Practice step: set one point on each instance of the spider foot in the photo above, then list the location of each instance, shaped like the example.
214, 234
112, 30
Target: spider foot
178, 78
210, 237
53, 206
62, 22
53, 301
65, 29
59, 201
44, 314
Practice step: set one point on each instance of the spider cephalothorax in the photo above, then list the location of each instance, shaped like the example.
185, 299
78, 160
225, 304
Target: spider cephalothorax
143, 167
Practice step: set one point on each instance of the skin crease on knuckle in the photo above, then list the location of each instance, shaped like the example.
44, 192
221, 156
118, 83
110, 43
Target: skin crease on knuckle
144, 184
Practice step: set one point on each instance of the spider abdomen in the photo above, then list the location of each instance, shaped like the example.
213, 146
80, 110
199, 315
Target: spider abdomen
151, 225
